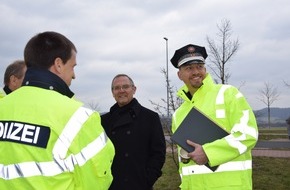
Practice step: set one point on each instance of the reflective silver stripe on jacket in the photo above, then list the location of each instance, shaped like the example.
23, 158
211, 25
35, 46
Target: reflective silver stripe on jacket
244, 129
221, 113
59, 164
69, 132
229, 166
241, 127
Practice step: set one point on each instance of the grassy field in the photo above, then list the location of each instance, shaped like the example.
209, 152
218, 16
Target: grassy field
170, 179
268, 173
273, 133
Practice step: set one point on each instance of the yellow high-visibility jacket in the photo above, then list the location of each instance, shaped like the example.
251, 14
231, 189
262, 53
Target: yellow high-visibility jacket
49, 141
2, 93
225, 105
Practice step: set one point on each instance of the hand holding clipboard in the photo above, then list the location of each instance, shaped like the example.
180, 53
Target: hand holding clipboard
199, 129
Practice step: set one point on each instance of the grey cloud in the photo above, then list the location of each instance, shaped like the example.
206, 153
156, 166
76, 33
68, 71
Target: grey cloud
127, 37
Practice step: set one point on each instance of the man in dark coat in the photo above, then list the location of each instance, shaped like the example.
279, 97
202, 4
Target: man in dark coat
137, 135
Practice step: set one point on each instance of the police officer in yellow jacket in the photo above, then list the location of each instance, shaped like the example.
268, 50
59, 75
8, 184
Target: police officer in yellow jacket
48, 139
225, 105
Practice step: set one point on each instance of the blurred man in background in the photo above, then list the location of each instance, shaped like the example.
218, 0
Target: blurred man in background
13, 77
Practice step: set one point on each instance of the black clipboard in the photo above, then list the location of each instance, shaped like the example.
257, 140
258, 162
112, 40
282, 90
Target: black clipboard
198, 128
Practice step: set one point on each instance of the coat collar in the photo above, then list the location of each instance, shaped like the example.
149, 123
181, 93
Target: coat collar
126, 114
208, 83
133, 108
7, 90
45, 79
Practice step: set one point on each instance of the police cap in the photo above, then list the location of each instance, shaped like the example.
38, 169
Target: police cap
189, 54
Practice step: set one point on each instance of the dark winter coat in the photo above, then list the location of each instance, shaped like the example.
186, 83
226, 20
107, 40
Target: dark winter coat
137, 135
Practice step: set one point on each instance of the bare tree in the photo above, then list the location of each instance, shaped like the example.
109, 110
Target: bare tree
221, 52
286, 84
173, 103
268, 95
243, 83
94, 106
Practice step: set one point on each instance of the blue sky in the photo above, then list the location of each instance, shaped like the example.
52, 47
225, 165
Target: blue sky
126, 36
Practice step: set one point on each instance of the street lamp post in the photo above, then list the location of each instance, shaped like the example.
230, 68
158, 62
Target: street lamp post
167, 82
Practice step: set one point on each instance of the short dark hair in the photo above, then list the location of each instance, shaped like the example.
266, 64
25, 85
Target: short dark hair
42, 49
16, 68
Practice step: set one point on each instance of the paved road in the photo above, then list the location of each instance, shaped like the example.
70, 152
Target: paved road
271, 153
279, 148
273, 144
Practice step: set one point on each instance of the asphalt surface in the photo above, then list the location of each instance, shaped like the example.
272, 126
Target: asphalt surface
271, 153
279, 148
273, 144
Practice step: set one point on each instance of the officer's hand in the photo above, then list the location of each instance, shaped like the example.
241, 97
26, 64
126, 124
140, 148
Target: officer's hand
198, 155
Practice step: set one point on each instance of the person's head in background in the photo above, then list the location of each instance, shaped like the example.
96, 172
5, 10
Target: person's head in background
54, 52
14, 74
123, 89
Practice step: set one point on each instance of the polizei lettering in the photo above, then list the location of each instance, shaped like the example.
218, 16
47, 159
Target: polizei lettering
24, 133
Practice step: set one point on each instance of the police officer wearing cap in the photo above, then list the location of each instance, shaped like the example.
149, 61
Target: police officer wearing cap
226, 106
